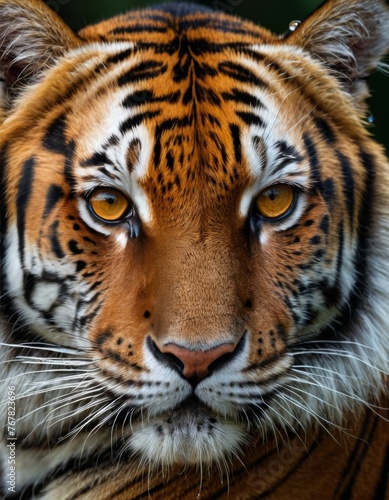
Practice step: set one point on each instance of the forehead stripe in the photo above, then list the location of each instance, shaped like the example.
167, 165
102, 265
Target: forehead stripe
241, 74
143, 71
243, 97
325, 130
147, 97
149, 28
97, 159
250, 118
137, 120
54, 139
313, 161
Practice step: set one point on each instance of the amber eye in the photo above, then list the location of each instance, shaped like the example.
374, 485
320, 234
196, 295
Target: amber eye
276, 201
109, 204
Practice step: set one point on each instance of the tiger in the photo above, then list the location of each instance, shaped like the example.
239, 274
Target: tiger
195, 249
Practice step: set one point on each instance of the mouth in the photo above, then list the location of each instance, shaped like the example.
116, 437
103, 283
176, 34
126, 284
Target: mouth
189, 434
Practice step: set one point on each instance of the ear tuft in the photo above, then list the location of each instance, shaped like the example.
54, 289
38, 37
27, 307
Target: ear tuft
32, 37
348, 36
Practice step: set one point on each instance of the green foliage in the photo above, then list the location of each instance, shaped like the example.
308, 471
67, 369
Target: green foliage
273, 14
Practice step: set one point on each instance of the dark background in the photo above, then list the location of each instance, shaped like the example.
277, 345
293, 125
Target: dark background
273, 14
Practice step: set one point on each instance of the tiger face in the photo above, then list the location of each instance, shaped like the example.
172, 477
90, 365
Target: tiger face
196, 238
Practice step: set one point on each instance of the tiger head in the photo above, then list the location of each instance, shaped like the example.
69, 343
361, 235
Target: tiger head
196, 228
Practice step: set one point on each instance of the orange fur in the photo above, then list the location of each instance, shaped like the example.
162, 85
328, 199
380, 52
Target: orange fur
197, 280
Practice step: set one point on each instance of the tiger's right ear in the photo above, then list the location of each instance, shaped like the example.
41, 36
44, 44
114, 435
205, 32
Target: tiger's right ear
349, 37
32, 37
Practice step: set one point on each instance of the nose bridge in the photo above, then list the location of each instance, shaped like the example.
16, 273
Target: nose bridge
198, 291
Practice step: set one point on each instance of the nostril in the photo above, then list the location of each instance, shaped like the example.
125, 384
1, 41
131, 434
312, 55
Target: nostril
165, 358
194, 364
229, 356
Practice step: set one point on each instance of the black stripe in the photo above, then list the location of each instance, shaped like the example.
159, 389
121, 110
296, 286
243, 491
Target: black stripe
68, 171
339, 262
364, 230
103, 337
5, 302
365, 212
159, 48
80, 266
54, 195
220, 147
136, 120
313, 161
250, 118
383, 484
202, 70
147, 97
235, 133
170, 161
151, 14
3, 197
147, 493
329, 192
23, 197
120, 56
181, 68
97, 159
238, 475
243, 97
205, 94
357, 456
226, 26
325, 130
286, 149
91, 486
202, 46
287, 154
174, 123
263, 364
109, 353
332, 293
325, 224
258, 57
142, 71
348, 184
149, 28
240, 73
55, 243
74, 248
188, 95
29, 283
55, 139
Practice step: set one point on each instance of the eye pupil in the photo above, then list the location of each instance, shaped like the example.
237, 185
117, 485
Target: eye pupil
272, 194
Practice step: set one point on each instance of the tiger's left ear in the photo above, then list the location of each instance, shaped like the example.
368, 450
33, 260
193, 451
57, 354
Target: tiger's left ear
350, 37
32, 37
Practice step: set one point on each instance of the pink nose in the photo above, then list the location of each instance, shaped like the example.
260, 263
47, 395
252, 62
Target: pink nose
196, 363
